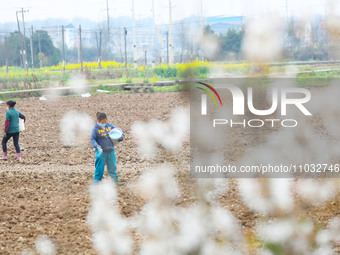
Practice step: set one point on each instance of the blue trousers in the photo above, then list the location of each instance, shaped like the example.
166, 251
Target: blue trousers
102, 159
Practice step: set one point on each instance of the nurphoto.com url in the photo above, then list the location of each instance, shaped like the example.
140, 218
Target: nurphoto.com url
269, 168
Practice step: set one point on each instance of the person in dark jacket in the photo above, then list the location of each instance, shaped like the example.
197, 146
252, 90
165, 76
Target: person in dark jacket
104, 147
12, 129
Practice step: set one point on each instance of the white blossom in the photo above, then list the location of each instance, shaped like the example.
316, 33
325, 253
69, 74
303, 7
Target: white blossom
109, 229
263, 40
315, 192
45, 246
170, 134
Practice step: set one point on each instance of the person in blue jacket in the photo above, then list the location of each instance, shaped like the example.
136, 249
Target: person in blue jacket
104, 147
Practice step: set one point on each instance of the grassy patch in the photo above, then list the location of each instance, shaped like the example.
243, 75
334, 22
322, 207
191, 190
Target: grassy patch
168, 88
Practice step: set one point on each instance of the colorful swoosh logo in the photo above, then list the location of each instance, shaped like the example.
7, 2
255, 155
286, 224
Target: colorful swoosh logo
209, 93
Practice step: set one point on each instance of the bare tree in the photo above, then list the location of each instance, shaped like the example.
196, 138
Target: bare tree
181, 31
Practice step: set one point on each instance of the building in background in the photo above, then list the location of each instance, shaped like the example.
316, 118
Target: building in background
221, 25
71, 34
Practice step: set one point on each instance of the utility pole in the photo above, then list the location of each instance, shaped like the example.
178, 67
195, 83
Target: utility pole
146, 56
80, 50
40, 60
134, 35
63, 45
125, 33
6, 55
120, 45
287, 11
153, 14
182, 41
25, 47
32, 53
202, 24
153, 30
99, 48
202, 29
20, 42
171, 53
167, 47
108, 27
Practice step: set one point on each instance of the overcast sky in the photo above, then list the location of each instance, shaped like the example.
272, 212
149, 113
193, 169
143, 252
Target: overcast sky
96, 9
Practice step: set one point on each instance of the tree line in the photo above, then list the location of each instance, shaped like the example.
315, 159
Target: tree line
229, 47
43, 50
46, 52
311, 42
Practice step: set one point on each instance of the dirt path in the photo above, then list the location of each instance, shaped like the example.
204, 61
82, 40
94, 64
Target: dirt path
47, 194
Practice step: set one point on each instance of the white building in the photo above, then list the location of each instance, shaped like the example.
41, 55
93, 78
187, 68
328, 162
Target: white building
71, 36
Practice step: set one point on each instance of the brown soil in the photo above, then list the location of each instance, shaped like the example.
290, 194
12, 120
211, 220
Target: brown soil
47, 194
